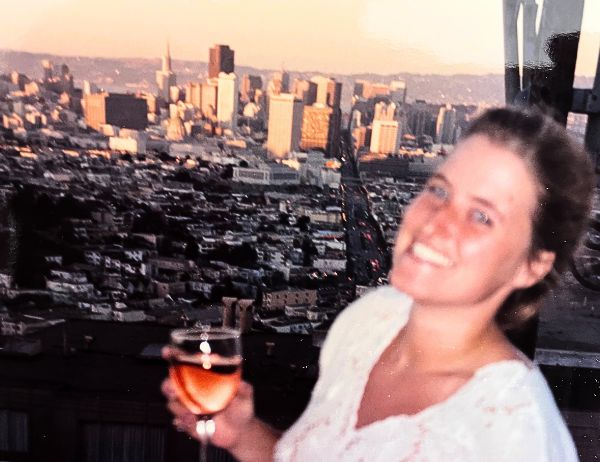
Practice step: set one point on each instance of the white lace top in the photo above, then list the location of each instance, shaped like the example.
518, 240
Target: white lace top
505, 412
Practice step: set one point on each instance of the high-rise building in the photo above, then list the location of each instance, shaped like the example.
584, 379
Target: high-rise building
359, 88
208, 99
305, 90
165, 78
421, 119
220, 59
398, 91
384, 111
385, 137
250, 83
89, 87
227, 100
285, 124
379, 89
193, 94
360, 135
445, 127
364, 89
316, 127
152, 102
279, 83
125, 111
329, 93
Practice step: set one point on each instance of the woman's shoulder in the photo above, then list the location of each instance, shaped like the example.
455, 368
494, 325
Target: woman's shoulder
379, 302
513, 406
377, 311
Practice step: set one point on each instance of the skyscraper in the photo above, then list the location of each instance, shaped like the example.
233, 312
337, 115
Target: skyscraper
220, 59
384, 111
445, 126
165, 78
193, 94
208, 99
305, 90
125, 111
285, 124
279, 83
227, 100
250, 83
316, 127
398, 91
329, 93
385, 137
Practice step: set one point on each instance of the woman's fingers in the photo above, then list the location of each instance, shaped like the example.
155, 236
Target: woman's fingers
168, 352
245, 390
167, 389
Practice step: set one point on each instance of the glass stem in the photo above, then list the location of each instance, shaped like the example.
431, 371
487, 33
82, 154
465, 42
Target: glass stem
205, 428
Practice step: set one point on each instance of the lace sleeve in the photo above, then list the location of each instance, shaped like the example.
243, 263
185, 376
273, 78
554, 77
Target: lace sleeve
523, 424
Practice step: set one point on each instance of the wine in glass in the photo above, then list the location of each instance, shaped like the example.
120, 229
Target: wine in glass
205, 368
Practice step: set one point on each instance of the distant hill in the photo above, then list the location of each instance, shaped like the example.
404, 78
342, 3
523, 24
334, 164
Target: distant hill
132, 74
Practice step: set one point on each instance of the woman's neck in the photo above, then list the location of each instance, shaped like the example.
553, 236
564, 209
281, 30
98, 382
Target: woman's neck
450, 337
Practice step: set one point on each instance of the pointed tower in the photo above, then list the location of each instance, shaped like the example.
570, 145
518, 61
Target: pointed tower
165, 78
166, 60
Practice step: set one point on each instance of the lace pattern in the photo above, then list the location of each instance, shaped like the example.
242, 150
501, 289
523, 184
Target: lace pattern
505, 412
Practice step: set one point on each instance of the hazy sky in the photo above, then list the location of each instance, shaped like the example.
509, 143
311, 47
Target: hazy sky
346, 36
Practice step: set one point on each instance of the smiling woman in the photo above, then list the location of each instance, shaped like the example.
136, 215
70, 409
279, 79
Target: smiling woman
422, 369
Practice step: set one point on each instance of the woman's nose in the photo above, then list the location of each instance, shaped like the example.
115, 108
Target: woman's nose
443, 221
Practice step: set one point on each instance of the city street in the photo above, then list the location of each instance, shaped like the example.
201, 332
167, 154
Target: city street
367, 255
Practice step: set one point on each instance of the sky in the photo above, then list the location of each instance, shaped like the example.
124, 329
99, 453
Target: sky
336, 36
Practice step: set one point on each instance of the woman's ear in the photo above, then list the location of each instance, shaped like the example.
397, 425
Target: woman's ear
535, 269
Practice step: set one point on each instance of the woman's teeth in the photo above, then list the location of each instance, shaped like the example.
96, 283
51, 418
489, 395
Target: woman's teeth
429, 255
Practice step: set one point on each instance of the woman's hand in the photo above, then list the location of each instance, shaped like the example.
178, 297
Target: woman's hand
236, 428
230, 424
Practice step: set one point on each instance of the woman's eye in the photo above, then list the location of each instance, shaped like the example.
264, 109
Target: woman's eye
438, 191
480, 216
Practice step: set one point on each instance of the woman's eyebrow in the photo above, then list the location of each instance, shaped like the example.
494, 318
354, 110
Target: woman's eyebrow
439, 176
489, 205
484, 202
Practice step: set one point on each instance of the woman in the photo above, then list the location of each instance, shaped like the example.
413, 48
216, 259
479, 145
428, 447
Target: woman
421, 370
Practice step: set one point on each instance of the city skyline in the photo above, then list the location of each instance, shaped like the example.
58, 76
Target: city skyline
379, 36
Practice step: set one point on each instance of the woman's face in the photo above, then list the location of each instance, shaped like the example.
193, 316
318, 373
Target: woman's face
466, 237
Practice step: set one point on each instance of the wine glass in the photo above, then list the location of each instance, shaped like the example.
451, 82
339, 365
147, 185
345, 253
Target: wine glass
205, 368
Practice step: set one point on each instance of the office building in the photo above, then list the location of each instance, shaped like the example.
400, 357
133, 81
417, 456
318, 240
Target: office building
227, 100
329, 93
445, 127
285, 124
279, 83
316, 127
398, 91
305, 90
250, 83
384, 111
385, 137
89, 88
220, 59
165, 78
121, 110
208, 99
193, 94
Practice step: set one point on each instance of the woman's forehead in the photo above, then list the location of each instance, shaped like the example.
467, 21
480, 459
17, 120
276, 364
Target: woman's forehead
491, 171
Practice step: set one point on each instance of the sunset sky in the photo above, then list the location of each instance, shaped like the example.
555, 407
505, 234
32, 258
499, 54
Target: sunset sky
345, 36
